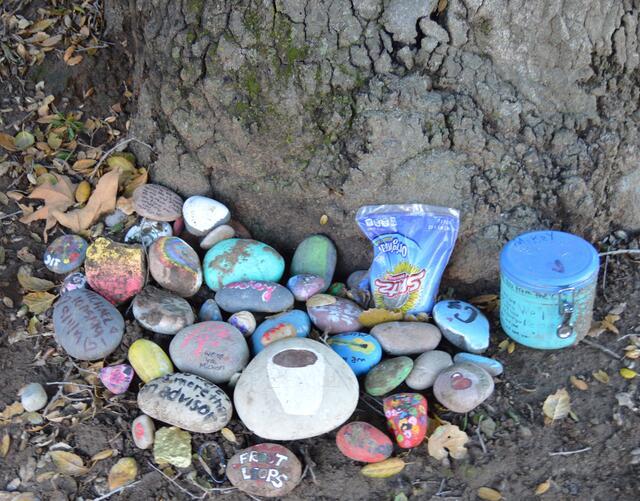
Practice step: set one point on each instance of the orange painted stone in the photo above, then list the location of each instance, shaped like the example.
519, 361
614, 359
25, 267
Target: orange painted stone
406, 415
361, 441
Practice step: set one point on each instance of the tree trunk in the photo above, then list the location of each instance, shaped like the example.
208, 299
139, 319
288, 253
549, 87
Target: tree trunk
523, 114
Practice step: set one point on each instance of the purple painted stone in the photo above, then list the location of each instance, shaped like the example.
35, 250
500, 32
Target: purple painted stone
72, 282
117, 378
333, 314
304, 286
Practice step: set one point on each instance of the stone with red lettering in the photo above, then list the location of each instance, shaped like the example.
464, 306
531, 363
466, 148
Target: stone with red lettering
254, 295
160, 311
361, 441
333, 314
157, 202
213, 350
86, 325
186, 401
143, 431
268, 470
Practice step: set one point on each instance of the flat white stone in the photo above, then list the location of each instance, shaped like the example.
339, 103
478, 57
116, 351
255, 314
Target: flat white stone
203, 214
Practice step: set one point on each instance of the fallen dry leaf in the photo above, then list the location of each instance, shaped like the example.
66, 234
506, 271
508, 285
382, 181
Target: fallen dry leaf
4, 445
543, 487
142, 177
627, 373
57, 196
375, 316
581, 384
7, 142
15, 409
449, 439
557, 405
105, 454
601, 376
24, 140
229, 435
68, 463
511, 348
383, 469
31, 283
503, 345
38, 302
489, 494
609, 323
122, 473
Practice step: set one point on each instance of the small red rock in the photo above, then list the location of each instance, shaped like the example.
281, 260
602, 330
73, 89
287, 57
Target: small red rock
363, 442
406, 415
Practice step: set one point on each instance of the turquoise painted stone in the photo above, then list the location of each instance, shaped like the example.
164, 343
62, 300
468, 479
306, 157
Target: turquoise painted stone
292, 323
387, 375
315, 255
239, 259
361, 351
490, 365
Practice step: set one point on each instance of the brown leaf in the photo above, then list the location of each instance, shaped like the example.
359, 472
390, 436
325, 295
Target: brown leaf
449, 439
105, 454
7, 142
38, 302
68, 463
51, 41
72, 61
581, 384
557, 405
122, 473
4, 445
383, 469
608, 323
375, 316
102, 201
84, 166
58, 196
601, 376
12, 410
136, 182
543, 487
31, 283
489, 494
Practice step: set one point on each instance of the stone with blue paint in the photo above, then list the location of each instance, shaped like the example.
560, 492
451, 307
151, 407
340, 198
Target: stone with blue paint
294, 323
361, 351
209, 311
462, 324
66, 254
490, 365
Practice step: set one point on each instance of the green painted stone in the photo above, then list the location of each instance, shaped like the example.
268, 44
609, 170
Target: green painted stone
316, 255
239, 259
387, 375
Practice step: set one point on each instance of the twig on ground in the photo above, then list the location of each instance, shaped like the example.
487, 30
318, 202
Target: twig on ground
484, 448
309, 464
569, 453
187, 492
119, 146
620, 251
7, 216
116, 491
603, 349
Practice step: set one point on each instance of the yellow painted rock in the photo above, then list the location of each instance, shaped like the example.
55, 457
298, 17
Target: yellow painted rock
172, 445
149, 360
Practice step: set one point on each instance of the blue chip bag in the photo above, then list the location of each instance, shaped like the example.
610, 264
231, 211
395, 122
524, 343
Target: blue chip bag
412, 244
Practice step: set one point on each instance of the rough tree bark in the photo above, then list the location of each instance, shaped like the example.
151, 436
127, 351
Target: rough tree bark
523, 113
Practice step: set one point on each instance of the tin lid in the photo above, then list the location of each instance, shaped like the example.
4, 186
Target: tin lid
549, 259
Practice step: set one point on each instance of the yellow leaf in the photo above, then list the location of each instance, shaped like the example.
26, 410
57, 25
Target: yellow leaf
38, 302
30, 283
135, 182
32, 326
324, 219
11, 410
121, 162
579, 383
122, 473
511, 348
68, 463
4, 445
229, 435
383, 469
543, 487
503, 345
557, 405
105, 454
447, 439
84, 166
628, 373
489, 494
601, 376
7, 142
375, 316
83, 191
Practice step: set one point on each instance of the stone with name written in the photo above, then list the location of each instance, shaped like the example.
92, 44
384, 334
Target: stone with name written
65, 254
143, 431
117, 378
254, 295
203, 214
491, 365
333, 314
406, 415
304, 286
115, 271
187, 401
157, 202
209, 311
426, 369
294, 323
268, 470
212, 350
244, 321
149, 360
361, 351
315, 255
175, 266
406, 338
160, 311
216, 235
147, 231
463, 386
387, 375
86, 325
72, 282
361, 441
462, 324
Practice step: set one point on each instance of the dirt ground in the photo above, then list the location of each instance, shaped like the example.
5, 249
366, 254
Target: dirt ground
521, 454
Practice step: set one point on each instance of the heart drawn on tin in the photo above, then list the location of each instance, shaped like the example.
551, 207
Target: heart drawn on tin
558, 266
459, 382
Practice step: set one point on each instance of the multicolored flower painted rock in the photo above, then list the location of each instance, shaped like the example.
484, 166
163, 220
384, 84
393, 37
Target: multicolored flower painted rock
149, 360
254, 295
73, 282
387, 375
117, 378
305, 286
491, 365
115, 271
361, 351
289, 324
268, 470
463, 325
65, 254
463, 386
238, 259
162, 312
361, 441
157, 202
334, 315
175, 266
209, 311
315, 255
406, 415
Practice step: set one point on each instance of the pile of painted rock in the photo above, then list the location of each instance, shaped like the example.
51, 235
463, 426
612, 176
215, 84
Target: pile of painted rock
284, 385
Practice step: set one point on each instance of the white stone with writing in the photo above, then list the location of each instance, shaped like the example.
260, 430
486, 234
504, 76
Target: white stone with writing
157, 202
202, 214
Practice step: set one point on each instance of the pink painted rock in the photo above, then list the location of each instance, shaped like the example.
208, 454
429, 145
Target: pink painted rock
361, 441
406, 415
117, 378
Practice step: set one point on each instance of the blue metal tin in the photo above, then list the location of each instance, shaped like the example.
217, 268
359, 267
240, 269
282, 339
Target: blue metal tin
547, 288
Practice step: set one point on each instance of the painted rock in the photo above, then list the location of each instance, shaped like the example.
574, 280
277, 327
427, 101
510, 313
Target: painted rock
143, 431
173, 446
149, 360
406, 338
212, 350
117, 378
426, 369
361, 351
334, 315
115, 271
160, 311
236, 260
462, 387
306, 387
217, 235
86, 325
202, 214
490, 365
362, 442
209, 311
359, 279
157, 202
73, 282
244, 321
33, 397
268, 470
292, 323
387, 375
463, 325
337, 289
305, 286
315, 255
254, 295
65, 254
175, 266
186, 401
147, 232
406, 415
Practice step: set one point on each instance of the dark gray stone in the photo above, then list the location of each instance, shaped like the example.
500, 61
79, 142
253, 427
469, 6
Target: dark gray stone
162, 312
254, 295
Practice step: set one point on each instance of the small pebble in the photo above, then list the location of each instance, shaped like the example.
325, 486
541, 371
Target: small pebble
143, 431
217, 235
33, 397
244, 321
